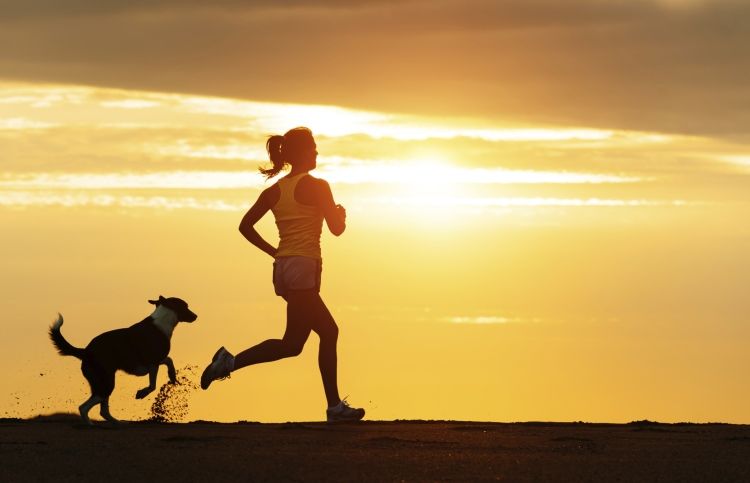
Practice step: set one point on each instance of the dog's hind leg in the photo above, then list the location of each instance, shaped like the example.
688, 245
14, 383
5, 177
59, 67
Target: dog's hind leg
105, 390
104, 411
92, 377
102, 384
86, 407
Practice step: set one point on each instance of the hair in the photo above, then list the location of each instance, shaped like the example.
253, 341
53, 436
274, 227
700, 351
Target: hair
282, 150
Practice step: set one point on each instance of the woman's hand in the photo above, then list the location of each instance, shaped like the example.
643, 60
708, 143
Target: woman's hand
341, 212
335, 215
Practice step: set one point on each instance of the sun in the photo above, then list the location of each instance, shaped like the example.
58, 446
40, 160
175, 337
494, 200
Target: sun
431, 179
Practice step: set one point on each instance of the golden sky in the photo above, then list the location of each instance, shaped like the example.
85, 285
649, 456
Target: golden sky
546, 203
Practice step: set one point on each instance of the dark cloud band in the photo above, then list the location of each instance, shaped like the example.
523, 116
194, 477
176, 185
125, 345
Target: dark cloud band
666, 66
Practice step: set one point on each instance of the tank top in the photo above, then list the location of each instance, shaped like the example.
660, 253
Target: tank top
299, 225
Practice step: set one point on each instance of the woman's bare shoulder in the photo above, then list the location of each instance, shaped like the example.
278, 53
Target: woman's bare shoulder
311, 190
270, 195
312, 179
318, 183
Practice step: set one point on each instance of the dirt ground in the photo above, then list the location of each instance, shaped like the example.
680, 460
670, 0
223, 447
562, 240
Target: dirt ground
59, 448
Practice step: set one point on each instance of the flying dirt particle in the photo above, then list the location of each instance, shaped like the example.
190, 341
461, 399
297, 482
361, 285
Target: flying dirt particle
172, 403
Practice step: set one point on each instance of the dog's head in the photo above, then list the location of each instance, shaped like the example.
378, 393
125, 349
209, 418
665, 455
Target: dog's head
178, 306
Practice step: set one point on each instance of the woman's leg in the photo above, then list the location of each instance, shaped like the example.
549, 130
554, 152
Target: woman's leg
296, 334
325, 326
306, 311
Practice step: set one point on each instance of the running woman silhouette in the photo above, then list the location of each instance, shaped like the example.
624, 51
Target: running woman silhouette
299, 204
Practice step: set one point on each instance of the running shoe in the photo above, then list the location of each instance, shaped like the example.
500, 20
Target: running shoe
344, 412
219, 368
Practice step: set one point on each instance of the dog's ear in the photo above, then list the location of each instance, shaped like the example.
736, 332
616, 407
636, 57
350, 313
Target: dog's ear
157, 302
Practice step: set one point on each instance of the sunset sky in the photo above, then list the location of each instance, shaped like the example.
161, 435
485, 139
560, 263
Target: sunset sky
548, 202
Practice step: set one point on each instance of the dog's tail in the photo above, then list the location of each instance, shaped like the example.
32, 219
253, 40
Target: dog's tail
63, 346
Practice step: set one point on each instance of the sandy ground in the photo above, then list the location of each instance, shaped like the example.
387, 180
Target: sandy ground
59, 448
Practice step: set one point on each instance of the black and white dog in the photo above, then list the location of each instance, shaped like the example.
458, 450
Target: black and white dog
138, 350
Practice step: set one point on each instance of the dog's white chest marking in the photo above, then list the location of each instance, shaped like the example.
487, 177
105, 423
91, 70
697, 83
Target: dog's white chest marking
165, 319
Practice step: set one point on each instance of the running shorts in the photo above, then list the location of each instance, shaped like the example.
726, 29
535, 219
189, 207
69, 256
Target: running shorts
296, 273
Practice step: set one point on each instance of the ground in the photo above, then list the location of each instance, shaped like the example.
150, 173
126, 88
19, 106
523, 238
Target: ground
59, 448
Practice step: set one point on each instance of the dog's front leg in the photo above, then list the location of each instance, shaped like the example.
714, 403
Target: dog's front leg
153, 370
171, 372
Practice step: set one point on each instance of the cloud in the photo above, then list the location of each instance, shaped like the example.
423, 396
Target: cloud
90, 146
94, 130
105, 141
131, 104
73, 8
27, 199
489, 319
675, 67
19, 123
212, 202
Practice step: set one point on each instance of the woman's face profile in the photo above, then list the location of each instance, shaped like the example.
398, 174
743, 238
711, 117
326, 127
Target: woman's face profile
308, 154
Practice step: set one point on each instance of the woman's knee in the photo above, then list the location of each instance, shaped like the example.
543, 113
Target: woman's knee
292, 348
329, 333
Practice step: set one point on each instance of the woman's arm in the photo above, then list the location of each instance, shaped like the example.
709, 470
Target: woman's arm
334, 214
255, 213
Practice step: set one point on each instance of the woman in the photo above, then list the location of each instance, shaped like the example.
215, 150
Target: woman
299, 203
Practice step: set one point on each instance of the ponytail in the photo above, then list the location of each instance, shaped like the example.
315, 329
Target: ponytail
283, 150
274, 147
